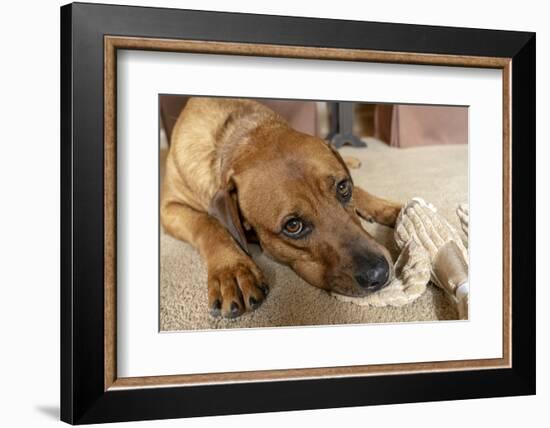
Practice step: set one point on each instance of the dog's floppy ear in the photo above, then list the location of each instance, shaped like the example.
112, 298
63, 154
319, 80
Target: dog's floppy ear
225, 208
340, 159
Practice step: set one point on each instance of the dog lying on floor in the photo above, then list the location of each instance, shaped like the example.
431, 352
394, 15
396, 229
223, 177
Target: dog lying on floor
237, 173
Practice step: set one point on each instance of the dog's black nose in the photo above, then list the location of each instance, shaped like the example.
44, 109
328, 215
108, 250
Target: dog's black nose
374, 274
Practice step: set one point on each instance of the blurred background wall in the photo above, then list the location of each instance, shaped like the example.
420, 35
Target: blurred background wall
398, 125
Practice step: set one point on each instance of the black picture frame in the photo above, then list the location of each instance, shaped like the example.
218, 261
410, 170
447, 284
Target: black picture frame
83, 398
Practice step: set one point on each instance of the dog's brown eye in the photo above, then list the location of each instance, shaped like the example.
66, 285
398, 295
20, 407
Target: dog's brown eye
297, 228
344, 189
294, 226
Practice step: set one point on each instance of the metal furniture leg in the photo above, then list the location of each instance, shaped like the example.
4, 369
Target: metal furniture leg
341, 132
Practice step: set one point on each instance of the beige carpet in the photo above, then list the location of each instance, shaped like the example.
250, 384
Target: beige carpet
439, 174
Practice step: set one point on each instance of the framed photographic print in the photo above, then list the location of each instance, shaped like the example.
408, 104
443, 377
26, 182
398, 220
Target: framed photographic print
265, 213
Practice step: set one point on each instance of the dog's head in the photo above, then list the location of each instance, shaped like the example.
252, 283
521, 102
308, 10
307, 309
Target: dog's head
296, 194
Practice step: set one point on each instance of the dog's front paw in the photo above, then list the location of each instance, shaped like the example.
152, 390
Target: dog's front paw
234, 289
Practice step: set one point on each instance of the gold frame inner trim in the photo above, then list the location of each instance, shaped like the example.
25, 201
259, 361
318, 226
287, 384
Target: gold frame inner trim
113, 43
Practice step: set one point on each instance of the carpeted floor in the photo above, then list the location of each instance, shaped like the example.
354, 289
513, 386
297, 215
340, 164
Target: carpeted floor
439, 174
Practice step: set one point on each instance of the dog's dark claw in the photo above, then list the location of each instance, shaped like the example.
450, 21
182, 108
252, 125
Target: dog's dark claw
253, 302
234, 312
216, 308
